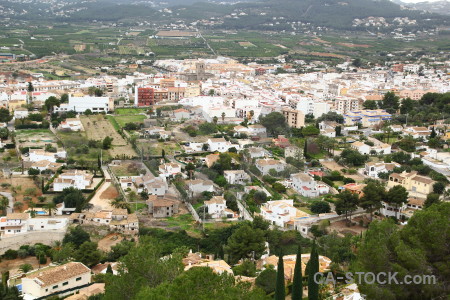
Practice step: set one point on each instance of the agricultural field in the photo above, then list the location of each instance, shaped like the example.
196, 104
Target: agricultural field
98, 127
36, 138
76, 145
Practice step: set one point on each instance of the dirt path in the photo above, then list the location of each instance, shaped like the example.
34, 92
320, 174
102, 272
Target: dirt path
99, 202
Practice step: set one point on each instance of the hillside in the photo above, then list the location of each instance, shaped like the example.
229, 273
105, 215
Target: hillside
438, 7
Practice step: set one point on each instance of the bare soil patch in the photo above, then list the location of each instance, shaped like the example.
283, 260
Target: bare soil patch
108, 241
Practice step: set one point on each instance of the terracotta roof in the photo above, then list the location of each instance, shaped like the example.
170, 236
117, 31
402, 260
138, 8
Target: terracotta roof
17, 216
60, 273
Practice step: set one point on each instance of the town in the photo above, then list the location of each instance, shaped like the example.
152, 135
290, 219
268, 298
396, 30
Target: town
207, 146
180, 150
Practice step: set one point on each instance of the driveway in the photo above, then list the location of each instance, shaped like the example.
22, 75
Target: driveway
11, 201
99, 203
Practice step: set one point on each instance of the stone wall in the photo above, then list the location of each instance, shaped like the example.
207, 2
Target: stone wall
30, 238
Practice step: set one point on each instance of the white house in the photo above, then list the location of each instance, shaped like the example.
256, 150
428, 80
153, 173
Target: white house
63, 280
169, 169
265, 165
380, 148
306, 185
220, 145
257, 152
257, 129
72, 124
199, 186
217, 208
19, 223
81, 104
280, 212
236, 176
417, 132
43, 165
181, 114
372, 169
40, 154
73, 178
21, 113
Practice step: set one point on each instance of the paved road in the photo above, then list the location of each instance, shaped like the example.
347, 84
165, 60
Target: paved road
11, 201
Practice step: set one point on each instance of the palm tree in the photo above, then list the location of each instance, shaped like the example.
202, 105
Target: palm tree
252, 113
18, 205
223, 117
25, 268
50, 207
32, 206
4, 204
119, 203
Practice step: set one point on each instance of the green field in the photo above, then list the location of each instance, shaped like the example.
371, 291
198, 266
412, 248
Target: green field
129, 111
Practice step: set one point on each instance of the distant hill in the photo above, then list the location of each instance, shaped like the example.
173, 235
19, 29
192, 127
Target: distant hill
230, 14
439, 7
338, 14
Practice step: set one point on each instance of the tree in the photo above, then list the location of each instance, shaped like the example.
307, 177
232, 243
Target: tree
4, 133
64, 98
61, 253
33, 172
76, 236
408, 144
18, 205
424, 240
223, 117
30, 87
431, 199
245, 242
50, 208
374, 193
143, 267
297, 284
407, 105
51, 102
357, 62
320, 207
215, 119
266, 280
313, 269
87, 112
390, 102
88, 254
310, 130
107, 143
72, 198
201, 283
275, 123
397, 196
370, 104
353, 158
246, 268
438, 188
280, 290
4, 204
25, 268
331, 116
5, 116
346, 203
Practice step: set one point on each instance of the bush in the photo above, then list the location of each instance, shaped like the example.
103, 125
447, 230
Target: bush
320, 207
10, 254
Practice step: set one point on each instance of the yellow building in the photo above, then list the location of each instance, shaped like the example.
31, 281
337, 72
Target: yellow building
294, 118
413, 183
14, 104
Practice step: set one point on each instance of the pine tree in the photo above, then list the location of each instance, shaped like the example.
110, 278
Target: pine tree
297, 284
280, 293
313, 287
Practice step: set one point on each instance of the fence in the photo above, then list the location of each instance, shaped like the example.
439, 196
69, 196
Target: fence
193, 212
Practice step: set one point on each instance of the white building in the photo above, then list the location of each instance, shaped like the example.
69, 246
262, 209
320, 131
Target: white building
380, 148
63, 280
217, 208
220, 145
236, 176
306, 186
73, 178
169, 169
81, 104
372, 169
198, 186
72, 124
21, 113
39, 155
265, 165
19, 223
280, 212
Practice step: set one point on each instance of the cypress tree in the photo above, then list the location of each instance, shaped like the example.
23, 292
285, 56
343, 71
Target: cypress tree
109, 269
280, 293
313, 287
99, 163
297, 284
305, 149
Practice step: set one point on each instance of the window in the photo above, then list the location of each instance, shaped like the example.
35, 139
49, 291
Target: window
78, 279
55, 287
65, 283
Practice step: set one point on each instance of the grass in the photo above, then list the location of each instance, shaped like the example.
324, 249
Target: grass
306, 210
137, 206
129, 111
114, 123
122, 120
